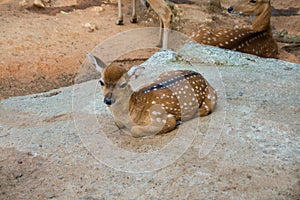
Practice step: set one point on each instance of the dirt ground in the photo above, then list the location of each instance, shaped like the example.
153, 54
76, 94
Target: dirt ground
43, 48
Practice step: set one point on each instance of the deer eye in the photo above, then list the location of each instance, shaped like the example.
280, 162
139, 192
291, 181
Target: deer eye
252, 1
101, 83
123, 85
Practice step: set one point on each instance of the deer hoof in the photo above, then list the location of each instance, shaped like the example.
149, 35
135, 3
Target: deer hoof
133, 20
140, 131
119, 22
136, 132
159, 45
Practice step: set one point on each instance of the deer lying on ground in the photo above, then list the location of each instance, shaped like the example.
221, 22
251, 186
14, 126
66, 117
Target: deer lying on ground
158, 107
258, 40
164, 14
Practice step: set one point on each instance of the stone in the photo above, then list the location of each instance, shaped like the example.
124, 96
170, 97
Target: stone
248, 148
39, 3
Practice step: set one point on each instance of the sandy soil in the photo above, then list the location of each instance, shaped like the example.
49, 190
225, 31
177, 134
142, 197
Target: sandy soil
42, 49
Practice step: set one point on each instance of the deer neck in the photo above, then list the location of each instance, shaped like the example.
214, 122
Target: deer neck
262, 21
122, 104
120, 109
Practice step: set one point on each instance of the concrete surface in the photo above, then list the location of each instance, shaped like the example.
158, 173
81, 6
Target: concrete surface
63, 144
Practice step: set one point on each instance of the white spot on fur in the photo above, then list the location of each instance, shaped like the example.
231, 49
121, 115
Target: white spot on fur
156, 113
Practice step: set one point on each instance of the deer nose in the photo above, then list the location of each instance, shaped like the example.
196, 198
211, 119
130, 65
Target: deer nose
108, 101
230, 9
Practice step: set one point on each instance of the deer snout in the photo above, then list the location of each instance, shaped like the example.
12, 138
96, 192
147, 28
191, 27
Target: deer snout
109, 101
230, 9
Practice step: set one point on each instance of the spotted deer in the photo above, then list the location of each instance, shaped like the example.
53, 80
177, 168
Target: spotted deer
159, 107
164, 14
257, 40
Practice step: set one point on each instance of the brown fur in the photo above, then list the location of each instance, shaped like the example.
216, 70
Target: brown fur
257, 41
182, 106
112, 74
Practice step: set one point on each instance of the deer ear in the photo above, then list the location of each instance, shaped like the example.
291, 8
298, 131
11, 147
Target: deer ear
97, 62
135, 71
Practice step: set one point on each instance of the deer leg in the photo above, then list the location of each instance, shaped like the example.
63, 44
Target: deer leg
165, 17
142, 131
166, 29
204, 110
165, 38
160, 37
157, 120
133, 17
119, 21
209, 103
158, 125
160, 122
119, 124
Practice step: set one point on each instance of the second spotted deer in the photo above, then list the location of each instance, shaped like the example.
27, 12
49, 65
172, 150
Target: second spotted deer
158, 107
257, 40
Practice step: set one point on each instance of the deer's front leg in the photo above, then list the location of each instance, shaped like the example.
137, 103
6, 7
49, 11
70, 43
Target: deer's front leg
142, 131
158, 125
119, 124
209, 103
119, 21
133, 16
160, 122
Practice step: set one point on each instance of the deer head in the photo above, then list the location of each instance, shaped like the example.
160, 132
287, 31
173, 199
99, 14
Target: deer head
114, 80
260, 9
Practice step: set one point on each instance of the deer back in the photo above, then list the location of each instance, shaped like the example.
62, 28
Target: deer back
257, 41
249, 41
178, 93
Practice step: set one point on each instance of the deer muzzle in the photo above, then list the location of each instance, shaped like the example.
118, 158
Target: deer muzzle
109, 101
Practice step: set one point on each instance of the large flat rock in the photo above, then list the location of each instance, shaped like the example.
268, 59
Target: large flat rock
64, 144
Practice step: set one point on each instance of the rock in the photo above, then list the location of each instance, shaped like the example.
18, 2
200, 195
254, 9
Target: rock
23, 3
98, 9
39, 3
249, 143
91, 26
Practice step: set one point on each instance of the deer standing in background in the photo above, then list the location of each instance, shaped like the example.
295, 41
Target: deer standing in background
258, 40
158, 107
164, 14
